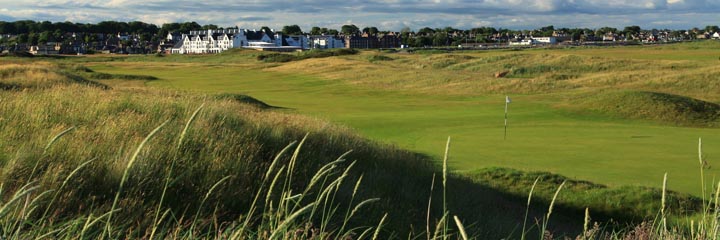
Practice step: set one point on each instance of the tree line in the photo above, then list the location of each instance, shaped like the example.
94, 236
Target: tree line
34, 32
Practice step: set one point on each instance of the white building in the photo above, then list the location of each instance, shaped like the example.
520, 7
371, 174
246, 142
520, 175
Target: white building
523, 42
545, 40
325, 42
210, 41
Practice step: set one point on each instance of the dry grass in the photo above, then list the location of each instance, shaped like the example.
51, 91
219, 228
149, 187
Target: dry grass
530, 72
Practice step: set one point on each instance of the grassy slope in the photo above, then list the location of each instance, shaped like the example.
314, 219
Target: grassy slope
500, 212
228, 139
417, 100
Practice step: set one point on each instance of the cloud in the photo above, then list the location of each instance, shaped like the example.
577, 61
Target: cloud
386, 14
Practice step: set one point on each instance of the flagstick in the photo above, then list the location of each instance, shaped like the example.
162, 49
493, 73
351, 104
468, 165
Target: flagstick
506, 110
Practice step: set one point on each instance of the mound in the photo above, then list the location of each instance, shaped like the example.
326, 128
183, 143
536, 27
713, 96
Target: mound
241, 98
446, 60
661, 107
39, 75
284, 57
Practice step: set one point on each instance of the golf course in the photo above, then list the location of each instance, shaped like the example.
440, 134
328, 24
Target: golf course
566, 116
600, 143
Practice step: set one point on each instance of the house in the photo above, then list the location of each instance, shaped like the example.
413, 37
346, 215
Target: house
389, 40
544, 40
520, 42
210, 41
561, 36
704, 35
296, 41
471, 45
326, 42
716, 35
173, 37
363, 41
259, 38
50, 48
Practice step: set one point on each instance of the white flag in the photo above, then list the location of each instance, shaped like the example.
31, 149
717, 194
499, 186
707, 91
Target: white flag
507, 99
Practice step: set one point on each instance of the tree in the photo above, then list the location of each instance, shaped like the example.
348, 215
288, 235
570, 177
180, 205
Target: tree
606, 30
331, 32
22, 38
33, 39
292, 30
210, 27
7, 28
712, 29
426, 31
422, 41
631, 30
44, 37
440, 39
189, 26
316, 31
371, 30
349, 29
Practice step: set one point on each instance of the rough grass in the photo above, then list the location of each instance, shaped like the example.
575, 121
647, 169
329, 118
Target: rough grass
623, 203
414, 115
245, 99
531, 72
38, 75
233, 144
654, 106
226, 151
287, 57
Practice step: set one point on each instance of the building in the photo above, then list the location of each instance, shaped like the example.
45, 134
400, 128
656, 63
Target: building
363, 41
210, 41
389, 40
326, 42
295, 41
520, 42
544, 40
50, 48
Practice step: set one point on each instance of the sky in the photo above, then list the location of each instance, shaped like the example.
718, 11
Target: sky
391, 15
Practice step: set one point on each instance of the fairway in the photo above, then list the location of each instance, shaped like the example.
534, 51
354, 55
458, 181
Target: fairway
419, 116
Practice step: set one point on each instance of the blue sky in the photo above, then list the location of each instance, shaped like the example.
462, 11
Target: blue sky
384, 14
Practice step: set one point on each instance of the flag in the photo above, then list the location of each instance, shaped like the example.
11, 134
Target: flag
507, 99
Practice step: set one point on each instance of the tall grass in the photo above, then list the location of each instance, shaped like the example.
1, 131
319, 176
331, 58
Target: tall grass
118, 168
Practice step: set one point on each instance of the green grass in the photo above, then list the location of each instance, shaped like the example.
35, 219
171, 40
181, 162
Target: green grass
222, 158
80, 160
543, 135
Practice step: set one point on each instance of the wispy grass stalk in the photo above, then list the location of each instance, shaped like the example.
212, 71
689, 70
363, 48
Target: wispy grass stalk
461, 228
282, 227
701, 224
445, 170
168, 177
207, 195
527, 208
62, 186
550, 210
45, 150
379, 227
427, 219
107, 230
